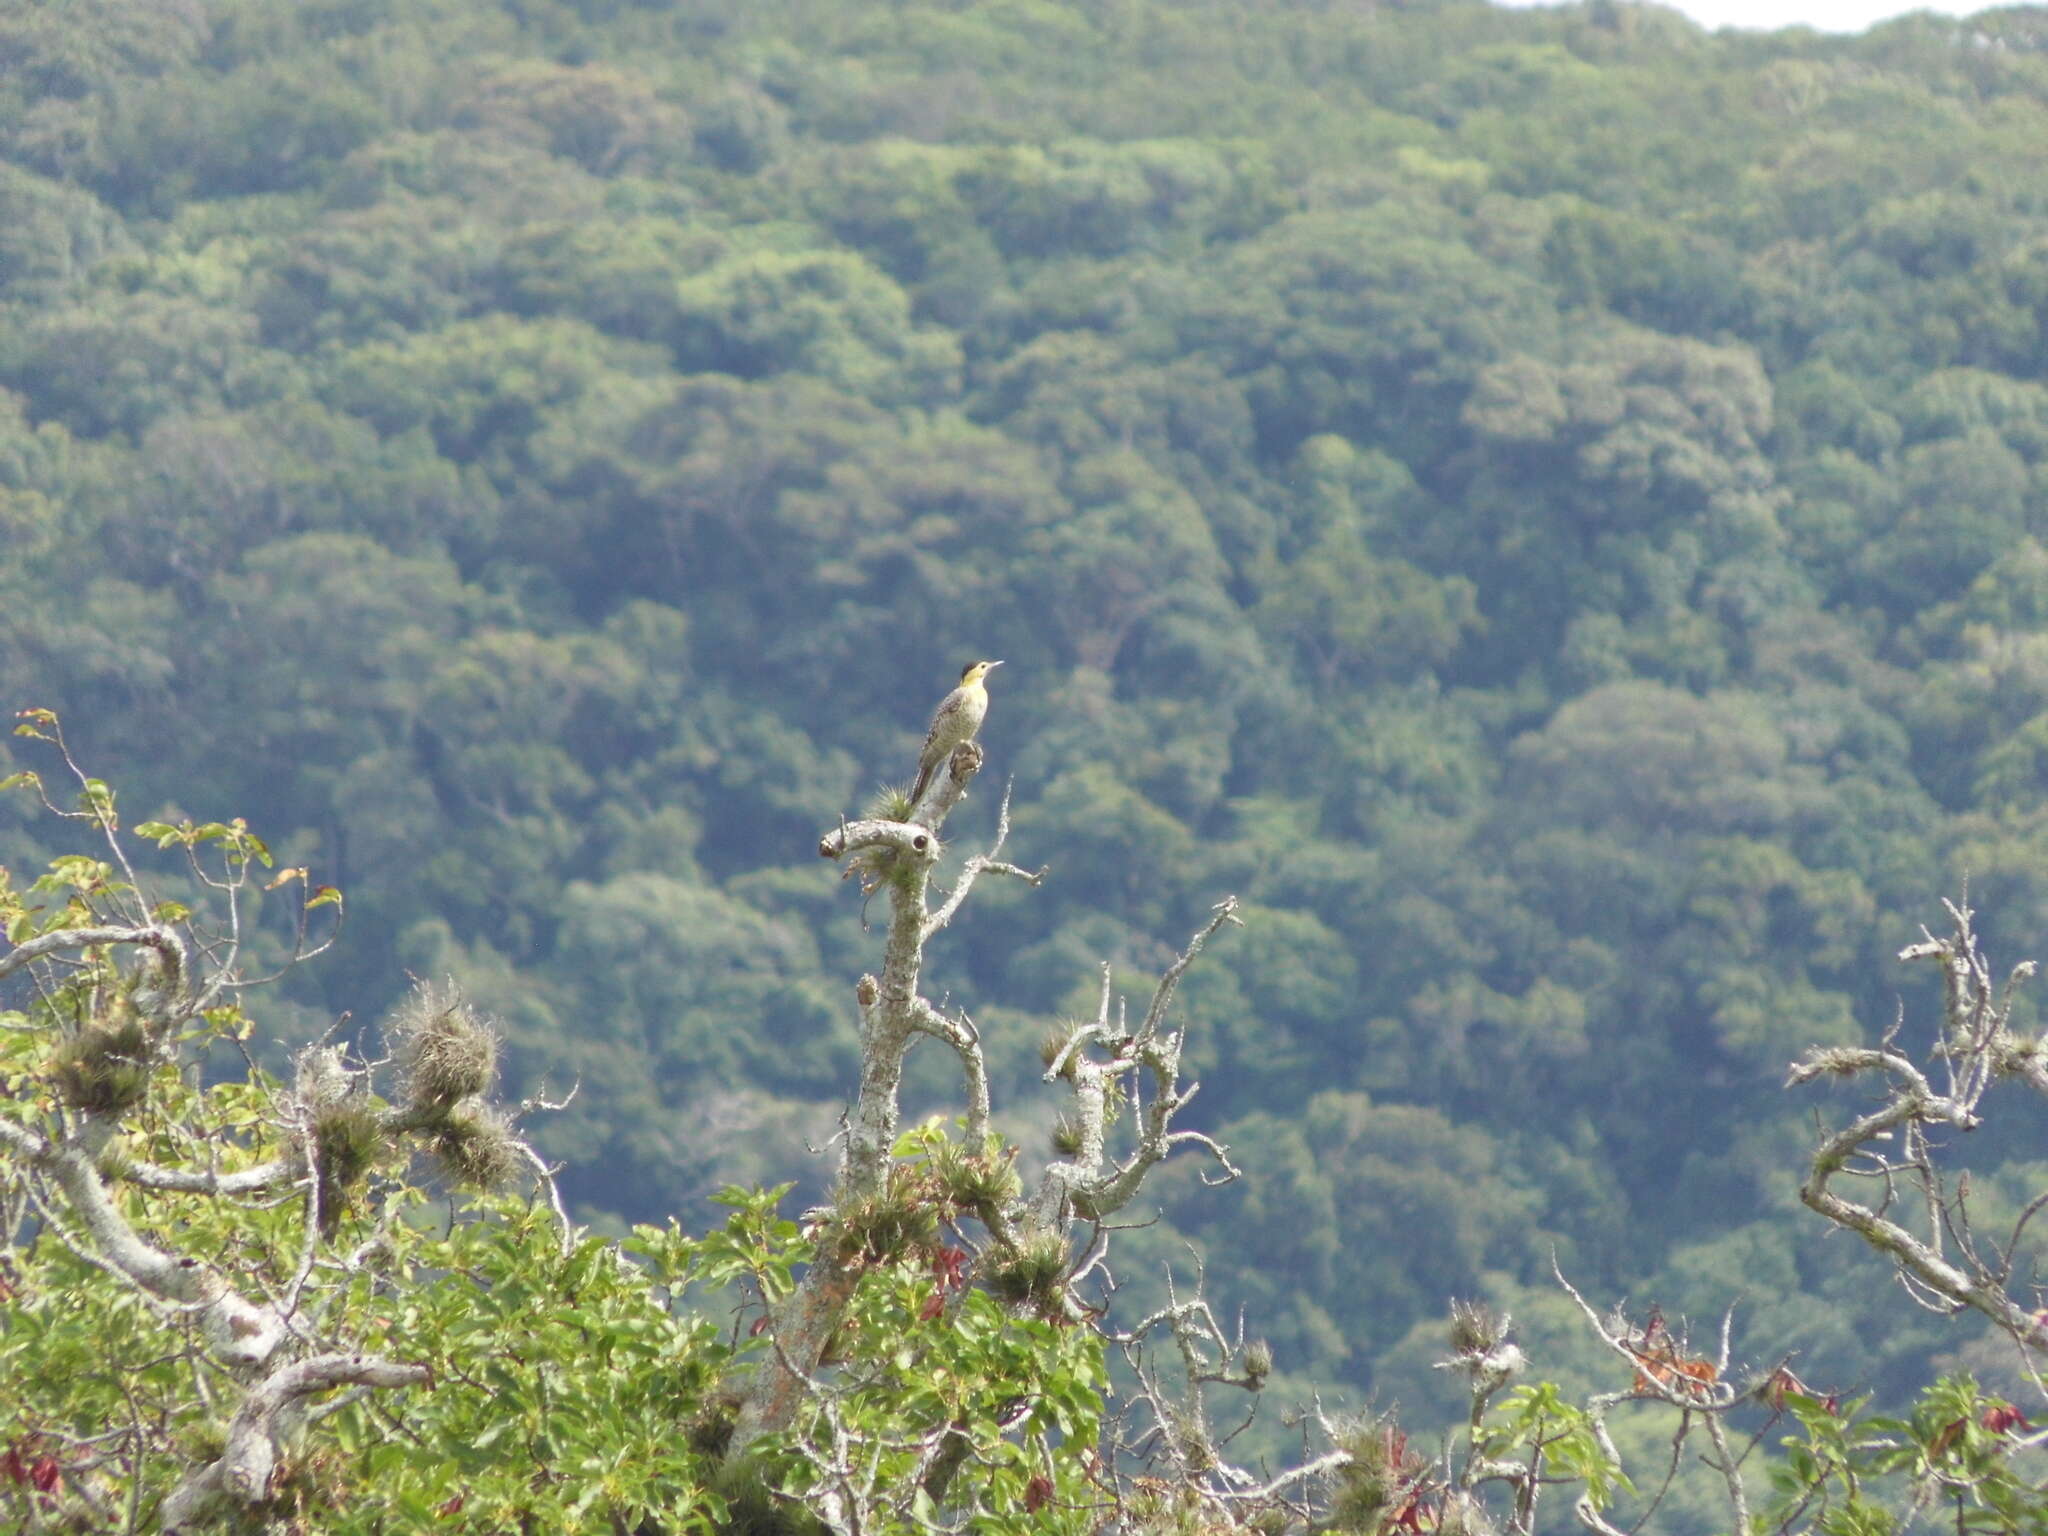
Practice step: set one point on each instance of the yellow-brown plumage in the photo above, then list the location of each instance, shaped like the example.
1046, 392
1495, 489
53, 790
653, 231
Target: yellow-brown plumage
958, 717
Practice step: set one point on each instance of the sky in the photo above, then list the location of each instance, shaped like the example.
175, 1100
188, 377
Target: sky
1827, 15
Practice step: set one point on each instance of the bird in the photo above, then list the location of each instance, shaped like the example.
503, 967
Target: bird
957, 718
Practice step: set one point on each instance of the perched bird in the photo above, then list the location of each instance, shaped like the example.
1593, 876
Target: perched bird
959, 716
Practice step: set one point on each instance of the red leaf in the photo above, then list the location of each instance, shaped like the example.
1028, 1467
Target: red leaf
1410, 1517
950, 1265
1037, 1494
1945, 1439
2001, 1417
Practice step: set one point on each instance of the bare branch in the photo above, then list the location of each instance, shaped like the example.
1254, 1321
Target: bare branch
965, 1040
1226, 912
976, 866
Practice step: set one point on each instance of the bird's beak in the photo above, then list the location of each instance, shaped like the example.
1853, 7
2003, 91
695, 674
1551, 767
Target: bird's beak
993, 665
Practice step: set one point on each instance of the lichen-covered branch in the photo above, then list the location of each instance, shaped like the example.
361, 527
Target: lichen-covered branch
1086, 1181
1887, 1144
241, 1473
898, 857
164, 941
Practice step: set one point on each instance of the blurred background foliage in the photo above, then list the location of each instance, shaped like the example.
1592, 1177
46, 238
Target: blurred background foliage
1550, 507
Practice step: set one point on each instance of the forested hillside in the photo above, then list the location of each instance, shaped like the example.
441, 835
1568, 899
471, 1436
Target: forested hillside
1550, 508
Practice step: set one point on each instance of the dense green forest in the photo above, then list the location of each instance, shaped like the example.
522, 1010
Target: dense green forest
1548, 507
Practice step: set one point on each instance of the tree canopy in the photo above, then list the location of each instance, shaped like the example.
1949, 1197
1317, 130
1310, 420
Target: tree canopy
1548, 506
